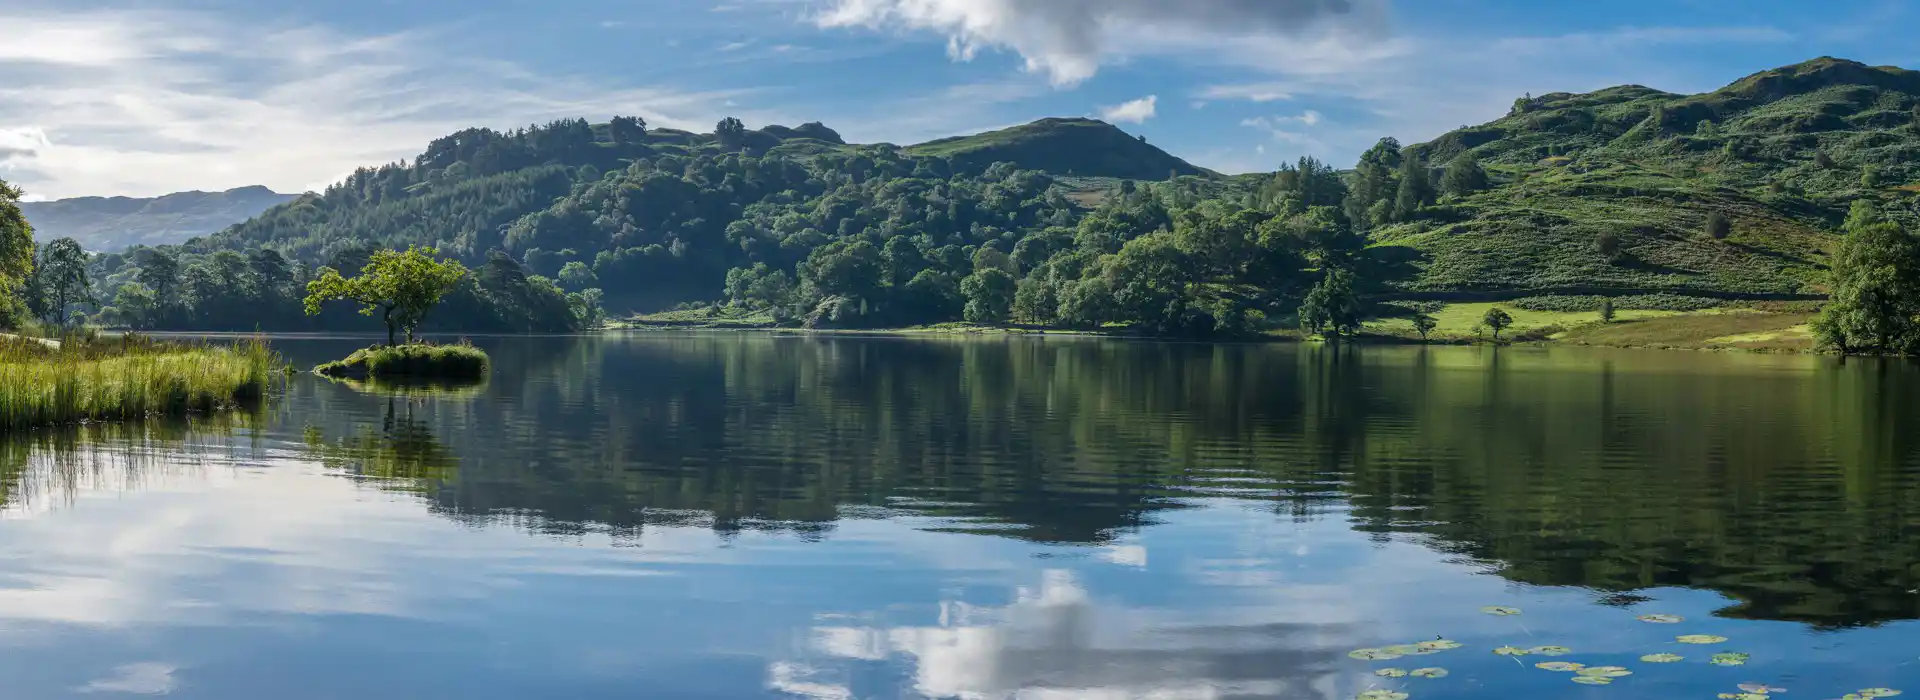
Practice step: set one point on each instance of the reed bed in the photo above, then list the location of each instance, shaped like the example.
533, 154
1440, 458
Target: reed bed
125, 377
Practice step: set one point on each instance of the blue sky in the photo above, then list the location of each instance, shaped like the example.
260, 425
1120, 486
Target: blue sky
142, 98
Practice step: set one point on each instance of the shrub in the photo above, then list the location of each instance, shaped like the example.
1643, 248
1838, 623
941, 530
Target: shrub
1718, 226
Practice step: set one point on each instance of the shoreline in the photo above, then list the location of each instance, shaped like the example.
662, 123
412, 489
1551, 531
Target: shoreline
1671, 331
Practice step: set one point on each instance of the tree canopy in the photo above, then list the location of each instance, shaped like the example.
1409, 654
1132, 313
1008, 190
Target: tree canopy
401, 286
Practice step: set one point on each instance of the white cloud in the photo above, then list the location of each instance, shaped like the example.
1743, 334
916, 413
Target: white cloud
1069, 40
135, 679
1132, 112
150, 102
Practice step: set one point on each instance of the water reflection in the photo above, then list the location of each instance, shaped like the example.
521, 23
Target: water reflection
733, 516
1780, 481
1055, 638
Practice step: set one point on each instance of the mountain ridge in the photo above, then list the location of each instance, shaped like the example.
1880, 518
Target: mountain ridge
117, 223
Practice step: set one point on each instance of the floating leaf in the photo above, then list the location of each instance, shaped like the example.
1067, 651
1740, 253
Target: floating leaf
1381, 695
1372, 654
1550, 651
1438, 645
1429, 673
1745, 696
1604, 671
1760, 688
1500, 610
1662, 658
1699, 639
1402, 649
1878, 692
1559, 666
1391, 673
1730, 658
1660, 619
1592, 680
1510, 651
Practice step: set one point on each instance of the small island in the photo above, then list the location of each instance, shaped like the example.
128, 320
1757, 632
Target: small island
401, 287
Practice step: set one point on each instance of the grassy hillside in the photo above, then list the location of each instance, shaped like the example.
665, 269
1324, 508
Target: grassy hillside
116, 223
1779, 154
1067, 147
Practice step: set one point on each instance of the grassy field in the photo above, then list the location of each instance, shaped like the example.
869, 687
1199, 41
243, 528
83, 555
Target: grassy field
1725, 328
1461, 320
1731, 330
421, 360
104, 379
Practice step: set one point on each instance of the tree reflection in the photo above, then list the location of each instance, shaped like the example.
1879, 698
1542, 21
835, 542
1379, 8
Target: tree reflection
1778, 481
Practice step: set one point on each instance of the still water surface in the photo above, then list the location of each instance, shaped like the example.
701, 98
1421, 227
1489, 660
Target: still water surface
752, 516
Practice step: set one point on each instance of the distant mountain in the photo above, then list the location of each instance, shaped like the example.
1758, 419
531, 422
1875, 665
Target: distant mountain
118, 223
1781, 154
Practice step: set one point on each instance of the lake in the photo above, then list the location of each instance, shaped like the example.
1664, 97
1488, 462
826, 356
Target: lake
746, 515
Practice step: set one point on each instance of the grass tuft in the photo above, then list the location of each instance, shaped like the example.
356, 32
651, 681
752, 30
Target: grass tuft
420, 360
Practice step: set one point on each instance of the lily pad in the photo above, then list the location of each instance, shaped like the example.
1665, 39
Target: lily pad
1661, 619
1559, 666
1500, 610
1604, 671
1402, 649
1760, 688
1510, 651
1391, 673
1730, 658
1372, 654
1439, 645
1878, 692
1662, 658
1550, 651
1745, 696
1592, 680
1381, 695
1699, 639
1428, 673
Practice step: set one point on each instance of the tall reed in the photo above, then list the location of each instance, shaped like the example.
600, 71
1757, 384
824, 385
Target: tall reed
125, 377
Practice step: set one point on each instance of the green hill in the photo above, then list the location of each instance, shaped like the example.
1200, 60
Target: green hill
1083, 147
1780, 154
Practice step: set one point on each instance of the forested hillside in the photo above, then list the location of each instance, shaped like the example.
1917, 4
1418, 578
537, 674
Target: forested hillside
1736, 193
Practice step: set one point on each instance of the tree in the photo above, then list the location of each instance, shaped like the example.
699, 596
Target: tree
1875, 300
1822, 161
1861, 215
61, 278
1496, 320
577, 276
731, 132
1870, 177
1606, 310
989, 293
1424, 324
1607, 244
16, 246
627, 130
1331, 309
1464, 176
1416, 189
1718, 226
403, 287
160, 272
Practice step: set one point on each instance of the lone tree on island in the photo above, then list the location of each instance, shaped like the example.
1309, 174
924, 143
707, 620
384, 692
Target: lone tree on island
403, 287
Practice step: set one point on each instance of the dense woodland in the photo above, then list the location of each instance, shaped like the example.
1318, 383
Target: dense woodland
1737, 194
